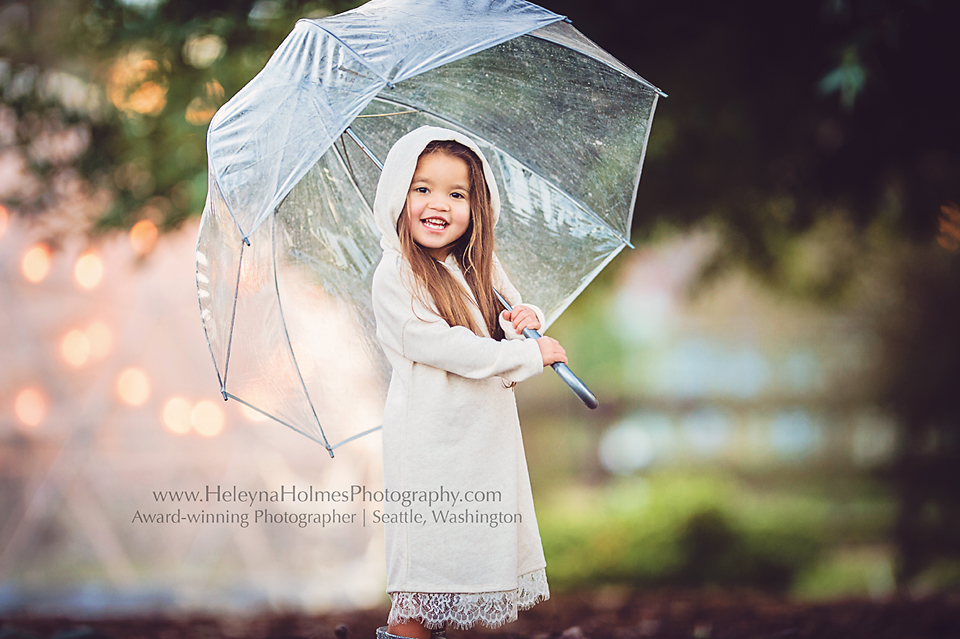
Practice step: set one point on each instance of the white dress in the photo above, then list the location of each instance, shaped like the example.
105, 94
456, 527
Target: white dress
450, 424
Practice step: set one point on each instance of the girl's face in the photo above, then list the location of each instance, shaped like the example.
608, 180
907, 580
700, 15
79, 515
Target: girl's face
438, 203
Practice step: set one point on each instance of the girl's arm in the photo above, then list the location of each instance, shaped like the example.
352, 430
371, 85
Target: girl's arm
416, 332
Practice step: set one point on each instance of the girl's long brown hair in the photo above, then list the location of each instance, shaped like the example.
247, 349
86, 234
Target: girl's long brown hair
473, 252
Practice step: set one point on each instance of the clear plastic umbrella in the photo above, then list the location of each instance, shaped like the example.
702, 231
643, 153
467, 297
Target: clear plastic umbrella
287, 244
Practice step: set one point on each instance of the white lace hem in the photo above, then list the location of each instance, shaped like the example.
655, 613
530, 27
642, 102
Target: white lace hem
464, 610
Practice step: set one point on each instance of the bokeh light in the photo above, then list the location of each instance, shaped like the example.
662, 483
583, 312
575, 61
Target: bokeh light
949, 236
252, 415
30, 406
143, 237
201, 51
207, 418
75, 348
35, 264
252, 277
176, 415
133, 386
638, 442
88, 271
4, 219
794, 434
202, 108
137, 84
707, 432
626, 448
101, 339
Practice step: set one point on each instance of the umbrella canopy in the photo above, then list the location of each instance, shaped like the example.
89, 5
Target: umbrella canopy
287, 244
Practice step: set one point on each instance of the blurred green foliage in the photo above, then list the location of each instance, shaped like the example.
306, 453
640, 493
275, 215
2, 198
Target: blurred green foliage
848, 572
139, 80
783, 112
683, 531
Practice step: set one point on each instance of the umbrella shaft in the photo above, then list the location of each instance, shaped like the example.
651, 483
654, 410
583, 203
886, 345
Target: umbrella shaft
363, 147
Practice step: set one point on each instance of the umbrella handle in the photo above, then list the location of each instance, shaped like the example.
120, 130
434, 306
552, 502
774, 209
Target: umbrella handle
577, 386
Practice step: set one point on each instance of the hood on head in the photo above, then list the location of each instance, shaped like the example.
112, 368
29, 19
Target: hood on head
397, 174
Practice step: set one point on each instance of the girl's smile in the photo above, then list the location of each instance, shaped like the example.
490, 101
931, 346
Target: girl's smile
438, 203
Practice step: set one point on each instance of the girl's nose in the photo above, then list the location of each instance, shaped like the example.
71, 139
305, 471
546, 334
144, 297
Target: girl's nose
438, 204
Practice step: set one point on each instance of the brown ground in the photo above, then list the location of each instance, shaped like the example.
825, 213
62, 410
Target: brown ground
606, 614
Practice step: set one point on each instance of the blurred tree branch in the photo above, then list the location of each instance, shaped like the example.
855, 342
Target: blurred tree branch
782, 112
921, 361
111, 100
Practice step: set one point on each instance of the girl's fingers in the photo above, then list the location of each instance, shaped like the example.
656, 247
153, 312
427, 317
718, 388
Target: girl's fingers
561, 355
522, 317
525, 318
551, 351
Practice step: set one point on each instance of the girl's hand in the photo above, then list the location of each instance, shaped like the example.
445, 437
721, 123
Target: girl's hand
522, 317
551, 351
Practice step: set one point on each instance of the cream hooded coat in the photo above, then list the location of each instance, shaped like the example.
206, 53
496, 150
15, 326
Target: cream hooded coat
451, 436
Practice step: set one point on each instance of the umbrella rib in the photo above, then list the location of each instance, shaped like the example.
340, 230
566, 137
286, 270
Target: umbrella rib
643, 155
351, 50
455, 125
385, 115
233, 318
216, 181
273, 417
206, 333
586, 281
344, 160
286, 334
595, 57
358, 436
363, 147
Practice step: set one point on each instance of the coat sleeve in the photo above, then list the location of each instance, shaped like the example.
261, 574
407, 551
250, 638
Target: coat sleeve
419, 334
512, 295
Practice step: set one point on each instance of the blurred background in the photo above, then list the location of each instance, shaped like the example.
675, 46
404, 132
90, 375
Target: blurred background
777, 362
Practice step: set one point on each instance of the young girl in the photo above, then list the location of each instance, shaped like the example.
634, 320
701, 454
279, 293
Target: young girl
461, 534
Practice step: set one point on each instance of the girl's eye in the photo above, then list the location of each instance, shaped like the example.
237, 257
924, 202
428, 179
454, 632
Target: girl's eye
421, 189
459, 196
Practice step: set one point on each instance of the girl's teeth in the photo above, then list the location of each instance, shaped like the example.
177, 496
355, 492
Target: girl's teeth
437, 224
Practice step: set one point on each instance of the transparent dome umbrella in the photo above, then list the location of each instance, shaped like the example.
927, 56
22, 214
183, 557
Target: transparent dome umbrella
287, 244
